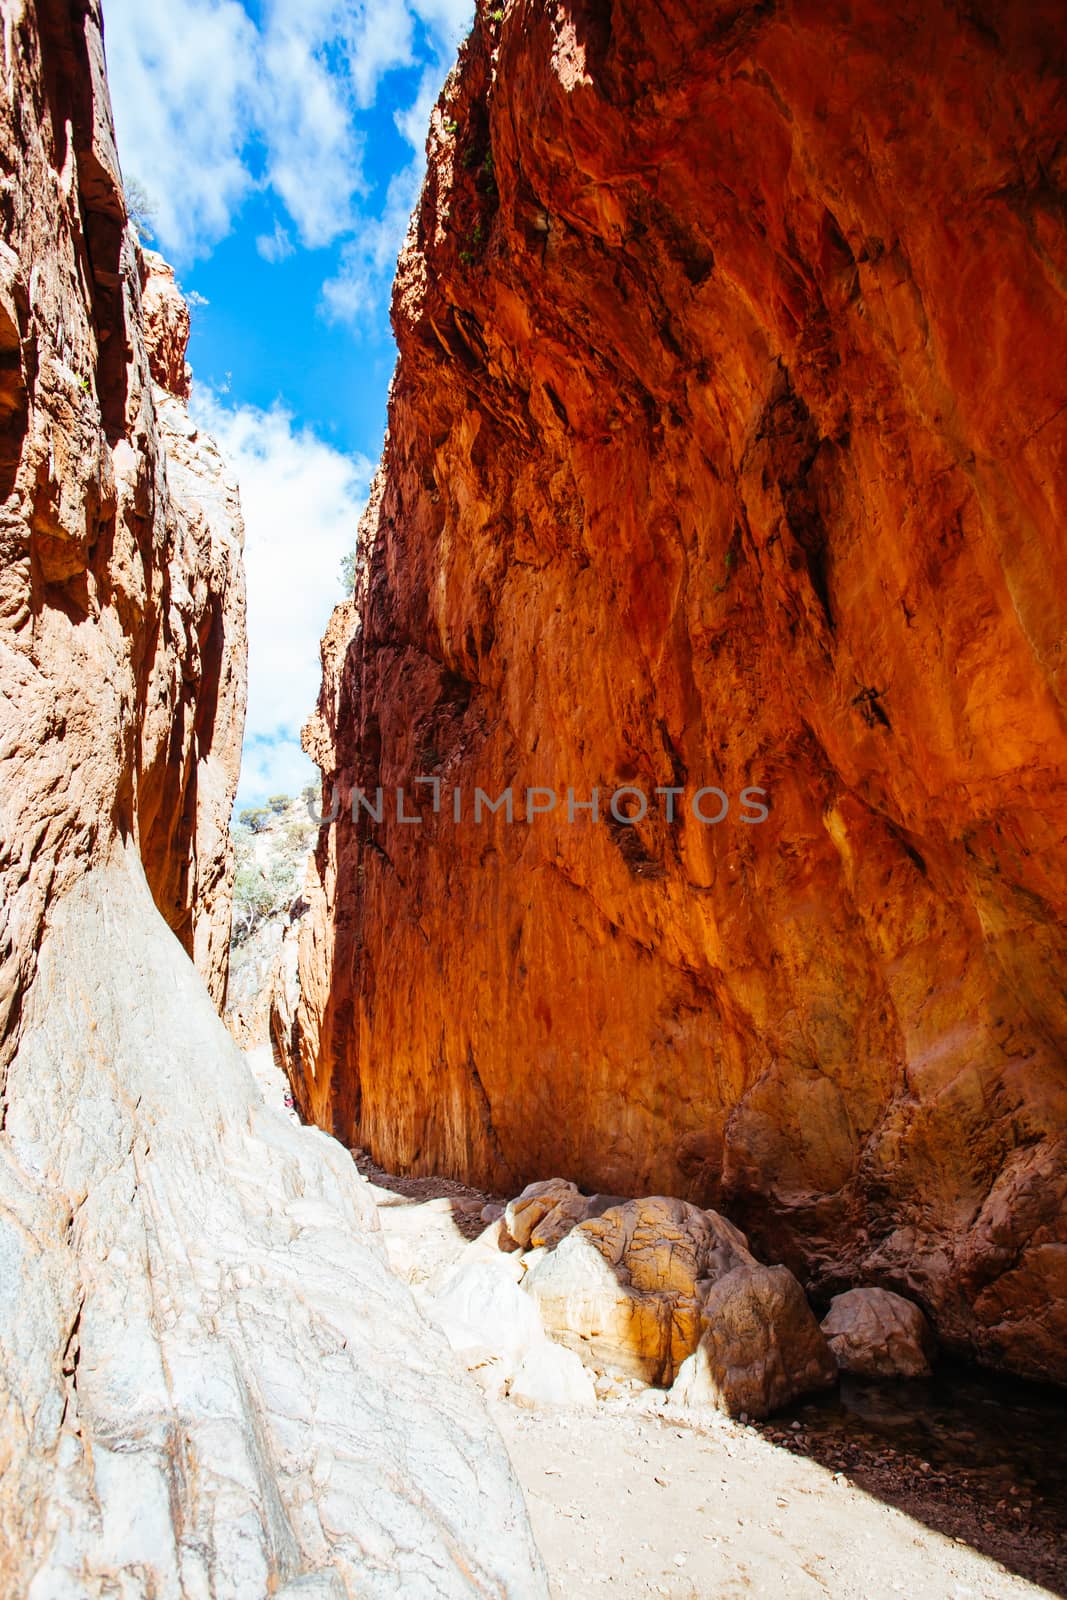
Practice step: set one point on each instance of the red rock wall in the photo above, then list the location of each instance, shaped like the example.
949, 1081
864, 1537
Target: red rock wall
122, 648
726, 447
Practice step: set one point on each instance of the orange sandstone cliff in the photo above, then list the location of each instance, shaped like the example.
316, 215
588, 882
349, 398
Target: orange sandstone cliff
726, 447
210, 1382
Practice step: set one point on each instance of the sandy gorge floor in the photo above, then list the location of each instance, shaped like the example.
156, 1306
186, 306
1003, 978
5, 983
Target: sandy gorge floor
633, 1506
632, 1501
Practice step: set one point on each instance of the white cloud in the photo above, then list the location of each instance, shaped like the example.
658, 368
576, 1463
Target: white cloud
273, 766
183, 84
448, 20
208, 105
275, 246
367, 263
414, 122
313, 154
301, 499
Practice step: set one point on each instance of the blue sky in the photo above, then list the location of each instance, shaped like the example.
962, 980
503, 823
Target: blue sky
281, 146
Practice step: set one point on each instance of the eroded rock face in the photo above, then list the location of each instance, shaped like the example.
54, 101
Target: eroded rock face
121, 585
210, 1383
726, 447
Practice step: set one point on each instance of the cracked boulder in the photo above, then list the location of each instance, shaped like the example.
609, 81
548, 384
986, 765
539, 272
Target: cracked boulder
876, 1334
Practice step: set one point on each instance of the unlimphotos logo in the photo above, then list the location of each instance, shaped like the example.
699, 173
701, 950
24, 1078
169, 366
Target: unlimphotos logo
626, 805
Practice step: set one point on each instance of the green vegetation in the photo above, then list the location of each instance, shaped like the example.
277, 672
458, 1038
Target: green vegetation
279, 803
268, 872
254, 818
259, 891
719, 587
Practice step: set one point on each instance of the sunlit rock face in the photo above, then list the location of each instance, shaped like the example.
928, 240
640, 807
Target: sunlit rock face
210, 1383
726, 448
121, 584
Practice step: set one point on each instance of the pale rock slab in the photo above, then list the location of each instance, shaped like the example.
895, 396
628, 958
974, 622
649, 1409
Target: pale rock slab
550, 1375
210, 1383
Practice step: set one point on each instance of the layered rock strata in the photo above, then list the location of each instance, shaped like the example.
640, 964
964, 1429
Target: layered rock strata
726, 447
210, 1384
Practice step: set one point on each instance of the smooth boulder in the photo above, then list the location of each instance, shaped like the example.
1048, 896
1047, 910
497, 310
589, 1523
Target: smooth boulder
550, 1375
874, 1333
761, 1348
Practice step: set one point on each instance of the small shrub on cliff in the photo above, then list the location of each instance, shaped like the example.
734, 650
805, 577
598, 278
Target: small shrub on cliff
254, 818
140, 209
262, 889
278, 803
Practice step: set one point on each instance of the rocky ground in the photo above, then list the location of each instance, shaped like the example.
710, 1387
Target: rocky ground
631, 1499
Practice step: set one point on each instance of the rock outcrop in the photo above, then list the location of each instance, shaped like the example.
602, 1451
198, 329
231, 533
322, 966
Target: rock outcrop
209, 1381
270, 862
726, 448
121, 586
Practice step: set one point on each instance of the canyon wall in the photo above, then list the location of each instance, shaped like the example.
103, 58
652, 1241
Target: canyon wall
210, 1384
121, 590
726, 448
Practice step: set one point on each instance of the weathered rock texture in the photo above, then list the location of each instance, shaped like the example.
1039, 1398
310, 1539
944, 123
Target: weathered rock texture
121, 585
270, 869
726, 447
627, 1289
878, 1335
210, 1384
761, 1348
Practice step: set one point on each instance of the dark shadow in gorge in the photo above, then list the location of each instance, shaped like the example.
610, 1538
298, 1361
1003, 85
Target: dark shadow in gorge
978, 1457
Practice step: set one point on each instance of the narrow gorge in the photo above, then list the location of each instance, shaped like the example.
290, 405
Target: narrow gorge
608, 1134
725, 449
210, 1384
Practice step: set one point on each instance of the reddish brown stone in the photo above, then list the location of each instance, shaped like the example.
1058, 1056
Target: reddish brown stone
726, 447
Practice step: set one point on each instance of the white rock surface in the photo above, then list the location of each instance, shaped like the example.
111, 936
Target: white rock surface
481, 1307
210, 1384
549, 1375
